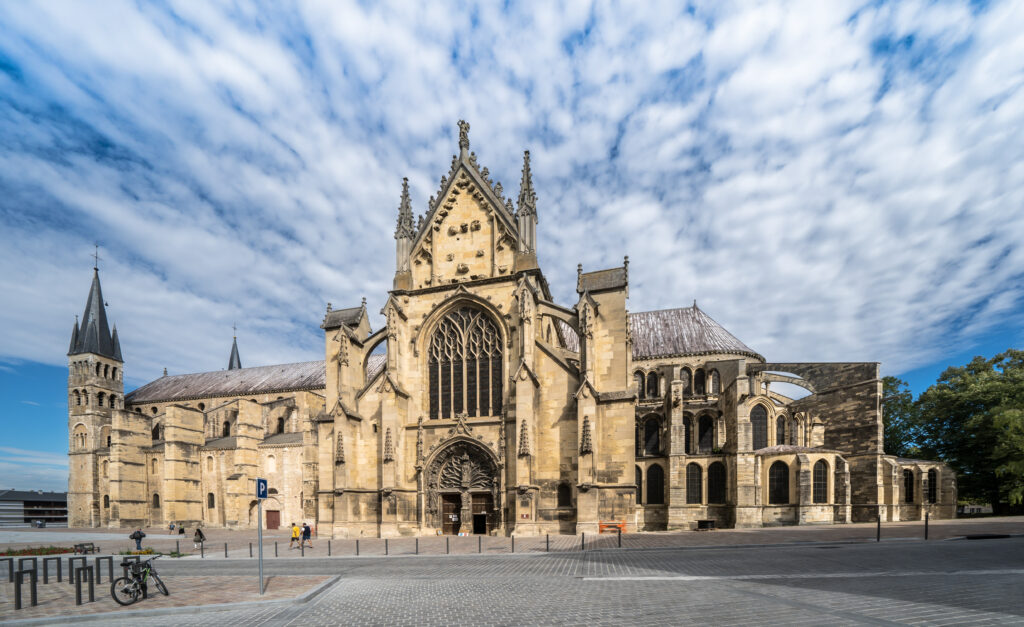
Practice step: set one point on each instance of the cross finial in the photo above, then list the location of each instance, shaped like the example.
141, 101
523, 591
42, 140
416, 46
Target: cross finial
96, 257
234, 330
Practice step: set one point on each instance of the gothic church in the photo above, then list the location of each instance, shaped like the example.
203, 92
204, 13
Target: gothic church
484, 407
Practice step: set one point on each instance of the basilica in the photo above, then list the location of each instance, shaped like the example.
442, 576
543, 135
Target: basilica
483, 406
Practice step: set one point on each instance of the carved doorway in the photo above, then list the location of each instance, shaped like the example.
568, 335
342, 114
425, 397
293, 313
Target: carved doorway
462, 488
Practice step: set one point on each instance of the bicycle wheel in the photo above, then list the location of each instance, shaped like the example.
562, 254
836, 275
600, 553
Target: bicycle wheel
124, 591
160, 585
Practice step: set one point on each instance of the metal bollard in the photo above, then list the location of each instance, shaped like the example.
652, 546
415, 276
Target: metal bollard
84, 571
275, 549
110, 567
926, 525
583, 542
71, 566
513, 544
479, 544
250, 549
447, 545
22, 560
357, 547
177, 547
878, 530
46, 562
547, 543
202, 550
620, 537
302, 548
19, 578
328, 548
125, 565
10, 567
385, 546
225, 550
417, 546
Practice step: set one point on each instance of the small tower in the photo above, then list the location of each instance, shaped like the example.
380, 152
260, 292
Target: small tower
95, 392
404, 236
234, 362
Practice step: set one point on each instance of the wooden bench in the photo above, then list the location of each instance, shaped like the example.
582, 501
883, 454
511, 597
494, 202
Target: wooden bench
612, 526
705, 525
86, 547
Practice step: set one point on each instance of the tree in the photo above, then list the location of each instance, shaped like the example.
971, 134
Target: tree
971, 419
900, 418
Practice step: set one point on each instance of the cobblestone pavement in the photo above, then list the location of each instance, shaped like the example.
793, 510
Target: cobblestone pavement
922, 583
239, 542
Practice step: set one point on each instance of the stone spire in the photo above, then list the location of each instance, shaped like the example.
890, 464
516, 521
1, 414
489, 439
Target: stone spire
117, 345
404, 237
526, 214
234, 362
74, 337
404, 227
527, 196
93, 335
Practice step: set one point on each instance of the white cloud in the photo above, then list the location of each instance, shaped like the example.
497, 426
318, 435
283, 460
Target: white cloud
831, 181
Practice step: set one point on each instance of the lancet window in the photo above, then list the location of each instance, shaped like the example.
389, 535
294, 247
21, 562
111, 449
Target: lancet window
464, 364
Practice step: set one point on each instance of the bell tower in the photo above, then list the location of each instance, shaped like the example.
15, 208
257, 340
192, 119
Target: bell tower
95, 392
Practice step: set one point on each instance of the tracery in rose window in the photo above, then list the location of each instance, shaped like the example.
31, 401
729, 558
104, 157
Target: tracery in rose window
464, 363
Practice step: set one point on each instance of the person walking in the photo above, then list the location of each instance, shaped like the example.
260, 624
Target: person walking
307, 533
170, 528
198, 538
138, 535
295, 537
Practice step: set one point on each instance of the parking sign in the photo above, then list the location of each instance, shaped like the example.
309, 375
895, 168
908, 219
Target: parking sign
261, 488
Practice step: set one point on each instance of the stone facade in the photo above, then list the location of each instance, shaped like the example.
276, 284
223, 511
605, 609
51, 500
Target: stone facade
482, 406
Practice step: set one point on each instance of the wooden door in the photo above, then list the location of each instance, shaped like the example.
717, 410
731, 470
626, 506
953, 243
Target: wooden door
273, 519
451, 504
483, 505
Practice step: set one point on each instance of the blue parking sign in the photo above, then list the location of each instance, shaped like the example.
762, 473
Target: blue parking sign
261, 488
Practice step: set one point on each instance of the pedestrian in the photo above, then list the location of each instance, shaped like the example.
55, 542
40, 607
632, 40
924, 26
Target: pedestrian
295, 537
170, 528
198, 538
307, 533
137, 535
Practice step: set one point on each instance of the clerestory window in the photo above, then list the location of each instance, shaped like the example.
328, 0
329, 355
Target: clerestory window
464, 364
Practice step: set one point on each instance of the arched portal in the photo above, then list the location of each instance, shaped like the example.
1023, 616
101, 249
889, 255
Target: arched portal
462, 489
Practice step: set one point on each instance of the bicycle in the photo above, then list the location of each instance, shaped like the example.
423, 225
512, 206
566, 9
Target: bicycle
127, 590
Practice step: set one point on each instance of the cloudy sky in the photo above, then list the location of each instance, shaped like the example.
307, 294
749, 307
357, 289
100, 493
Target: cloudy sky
830, 180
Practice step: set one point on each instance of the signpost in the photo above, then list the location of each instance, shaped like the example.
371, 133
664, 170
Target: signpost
261, 493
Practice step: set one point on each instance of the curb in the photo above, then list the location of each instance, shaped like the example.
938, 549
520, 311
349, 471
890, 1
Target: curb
182, 610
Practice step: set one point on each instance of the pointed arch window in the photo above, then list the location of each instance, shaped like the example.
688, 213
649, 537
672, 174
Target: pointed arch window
716, 483
716, 383
759, 427
820, 488
106, 501
780, 430
653, 390
699, 381
465, 365
778, 484
706, 434
694, 489
908, 486
933, 486
655, 485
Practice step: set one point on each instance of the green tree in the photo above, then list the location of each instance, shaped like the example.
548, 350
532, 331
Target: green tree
900, 418
971, 419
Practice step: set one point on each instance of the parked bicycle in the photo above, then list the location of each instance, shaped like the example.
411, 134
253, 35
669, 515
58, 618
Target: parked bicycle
127, 590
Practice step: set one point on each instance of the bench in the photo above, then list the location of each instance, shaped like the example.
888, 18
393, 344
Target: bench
86, 547
612, 526
705, 525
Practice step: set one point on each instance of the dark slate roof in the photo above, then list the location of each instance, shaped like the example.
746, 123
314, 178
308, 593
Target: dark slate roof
93, 336
613, 278
221, 443
684, 331
32, 496
308, 375
338, 317
282, 439
234, 361
374, 364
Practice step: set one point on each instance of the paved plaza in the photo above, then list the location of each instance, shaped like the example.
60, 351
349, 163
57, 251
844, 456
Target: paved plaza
803, 581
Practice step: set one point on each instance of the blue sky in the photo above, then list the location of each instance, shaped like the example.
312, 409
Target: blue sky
831, 181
